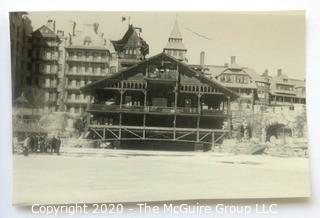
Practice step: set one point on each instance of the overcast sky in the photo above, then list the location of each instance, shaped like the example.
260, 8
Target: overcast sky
258, 40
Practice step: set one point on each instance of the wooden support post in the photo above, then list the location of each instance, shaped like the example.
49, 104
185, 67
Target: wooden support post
252, 103
198, 117
144, 112
120, 114
144, 126
120, 124
198, 126
121, 95
88, 114
88, 119
212, 141
176, 89
229, 117
104, 134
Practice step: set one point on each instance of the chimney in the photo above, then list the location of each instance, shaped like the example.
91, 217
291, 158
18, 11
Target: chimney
52, 25
74, 24
60, 33
279, 72
96, 27
266, 72
202, 54
233, 60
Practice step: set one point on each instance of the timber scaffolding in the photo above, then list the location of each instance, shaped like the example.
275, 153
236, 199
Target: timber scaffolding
187, 116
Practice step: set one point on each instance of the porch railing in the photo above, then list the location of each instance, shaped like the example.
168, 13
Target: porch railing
154, 109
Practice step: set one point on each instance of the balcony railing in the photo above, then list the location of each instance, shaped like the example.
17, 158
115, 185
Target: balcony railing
213, 112
133, 108
71, 73
155, 109
163, 75
289, 92
187, 110
51, 86
76, 101
88, 59
103, 107
50, 58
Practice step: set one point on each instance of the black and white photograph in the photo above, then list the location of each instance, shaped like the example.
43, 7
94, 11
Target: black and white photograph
158, 106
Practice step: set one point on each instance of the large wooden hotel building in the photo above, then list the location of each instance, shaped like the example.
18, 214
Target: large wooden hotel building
160, 99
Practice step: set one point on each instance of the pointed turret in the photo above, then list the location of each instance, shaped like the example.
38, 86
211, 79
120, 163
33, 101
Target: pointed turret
175, 33
132, 48
175, 46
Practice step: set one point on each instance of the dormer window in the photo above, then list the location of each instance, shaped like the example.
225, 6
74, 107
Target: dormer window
87, 41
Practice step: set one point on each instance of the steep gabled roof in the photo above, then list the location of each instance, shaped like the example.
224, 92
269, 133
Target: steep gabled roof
123, 73
175, 33
175, 39
130, 39
175, 46
45, 31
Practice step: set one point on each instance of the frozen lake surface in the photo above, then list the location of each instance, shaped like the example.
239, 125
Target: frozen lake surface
91, 175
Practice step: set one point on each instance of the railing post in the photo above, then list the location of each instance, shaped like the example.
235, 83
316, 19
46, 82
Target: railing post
121, 94
212, 141
144, 110
198, 117
229, 117
120, 114
175, 106
89, 114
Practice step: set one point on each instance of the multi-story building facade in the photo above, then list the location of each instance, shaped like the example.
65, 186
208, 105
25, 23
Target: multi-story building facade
89, 57
285, 91
47, 55
256, 90
20, 31
132, 48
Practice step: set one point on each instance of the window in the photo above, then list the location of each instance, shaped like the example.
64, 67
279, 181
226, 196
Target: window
79, 54
174, 53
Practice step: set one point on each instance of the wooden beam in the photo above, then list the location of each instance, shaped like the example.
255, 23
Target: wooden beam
198, 117
159, 128
212, 141
220, 137
229, 116
175, 109
203, 137
95, 131
132, 133
182, 136
120, 124
111, 132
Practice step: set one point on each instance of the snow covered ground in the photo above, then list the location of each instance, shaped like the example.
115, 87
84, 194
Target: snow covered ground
91, 175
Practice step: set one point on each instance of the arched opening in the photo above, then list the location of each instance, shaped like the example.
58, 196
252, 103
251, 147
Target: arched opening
279, 131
